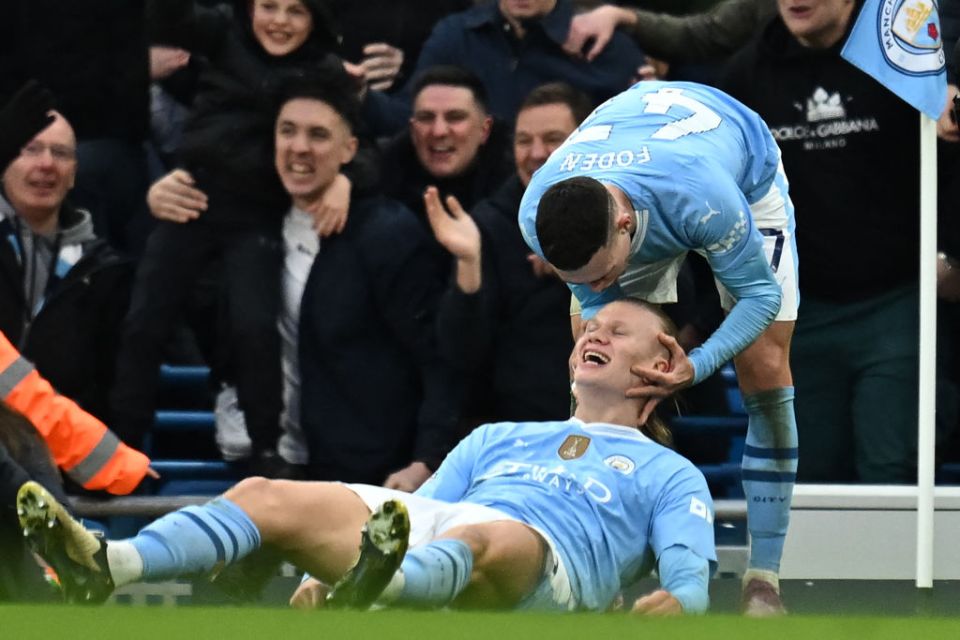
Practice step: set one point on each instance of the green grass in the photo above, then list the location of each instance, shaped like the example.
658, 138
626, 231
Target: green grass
24, 622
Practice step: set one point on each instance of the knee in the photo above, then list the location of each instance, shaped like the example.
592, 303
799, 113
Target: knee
508, 562
475, 538
765, 356
765, 365
252, 494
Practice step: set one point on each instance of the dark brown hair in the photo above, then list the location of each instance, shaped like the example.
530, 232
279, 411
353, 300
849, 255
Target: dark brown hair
559, 93
574, 221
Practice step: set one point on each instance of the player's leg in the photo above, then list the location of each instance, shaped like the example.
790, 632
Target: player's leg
769, 464
484, 565
383, 544
763, 372
316, 525
77, 555
770, 453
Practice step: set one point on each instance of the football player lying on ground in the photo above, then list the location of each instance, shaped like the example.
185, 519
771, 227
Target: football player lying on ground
544, 515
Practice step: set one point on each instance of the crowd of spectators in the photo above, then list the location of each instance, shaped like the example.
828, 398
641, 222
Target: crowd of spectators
356, 348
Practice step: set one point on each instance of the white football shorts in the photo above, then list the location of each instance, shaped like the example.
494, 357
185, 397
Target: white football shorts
429, 518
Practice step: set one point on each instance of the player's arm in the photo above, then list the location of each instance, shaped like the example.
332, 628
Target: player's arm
682, 540
452, 478
684, 578
310, 593
734, 250
749, 278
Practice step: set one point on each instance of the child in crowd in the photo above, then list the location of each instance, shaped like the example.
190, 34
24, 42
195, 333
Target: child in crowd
226, 152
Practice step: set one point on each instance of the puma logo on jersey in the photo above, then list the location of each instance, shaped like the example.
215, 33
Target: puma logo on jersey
712, 213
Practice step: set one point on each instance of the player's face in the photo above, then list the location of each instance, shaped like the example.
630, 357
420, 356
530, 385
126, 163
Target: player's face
37, 182
816, 23
621, 335
280, 26
312, 143
525, 9
448, 128
539, 130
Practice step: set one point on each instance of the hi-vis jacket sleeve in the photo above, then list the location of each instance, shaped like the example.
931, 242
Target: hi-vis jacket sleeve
81, 445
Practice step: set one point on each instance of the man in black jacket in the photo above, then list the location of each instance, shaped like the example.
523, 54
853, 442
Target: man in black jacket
364, 386
511, 331
452, 143
63, 291
24, 119
376, 402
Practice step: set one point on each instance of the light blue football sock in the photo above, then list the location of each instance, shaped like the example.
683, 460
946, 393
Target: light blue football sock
435, 573
769, 473
195, 539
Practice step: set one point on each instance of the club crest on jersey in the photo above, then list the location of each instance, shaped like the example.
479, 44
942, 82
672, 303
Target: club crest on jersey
573, 447
620, 463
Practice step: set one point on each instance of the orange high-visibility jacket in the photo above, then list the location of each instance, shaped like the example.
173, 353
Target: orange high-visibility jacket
92, 455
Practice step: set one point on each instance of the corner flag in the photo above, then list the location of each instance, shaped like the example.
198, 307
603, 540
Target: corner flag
897, 42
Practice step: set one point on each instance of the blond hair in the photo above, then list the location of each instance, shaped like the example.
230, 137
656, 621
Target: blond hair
656, 427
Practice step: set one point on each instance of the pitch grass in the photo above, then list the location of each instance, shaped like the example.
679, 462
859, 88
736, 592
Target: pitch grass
26, 622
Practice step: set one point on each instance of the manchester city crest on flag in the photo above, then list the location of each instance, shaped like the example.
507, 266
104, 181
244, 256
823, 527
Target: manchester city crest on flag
910, 35
573, 447
898, 43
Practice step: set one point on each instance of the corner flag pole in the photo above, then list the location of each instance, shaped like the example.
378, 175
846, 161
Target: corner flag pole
926, 434
898, 43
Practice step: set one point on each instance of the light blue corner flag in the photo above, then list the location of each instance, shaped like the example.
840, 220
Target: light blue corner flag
898, 43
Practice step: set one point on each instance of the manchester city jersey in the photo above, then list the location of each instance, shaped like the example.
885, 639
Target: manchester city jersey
692, 160
610, 498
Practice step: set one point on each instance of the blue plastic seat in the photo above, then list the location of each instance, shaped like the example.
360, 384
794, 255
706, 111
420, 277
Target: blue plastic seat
188, 476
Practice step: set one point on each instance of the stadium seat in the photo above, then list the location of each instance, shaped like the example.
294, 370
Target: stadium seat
721, 434
184, 421
182, 440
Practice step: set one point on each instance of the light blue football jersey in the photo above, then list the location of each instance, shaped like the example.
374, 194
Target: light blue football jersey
610, 498
692, 160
